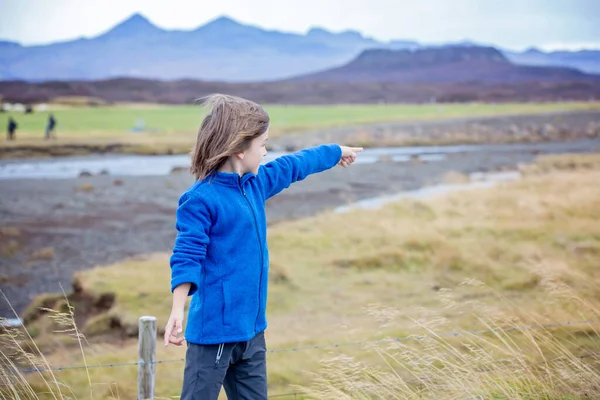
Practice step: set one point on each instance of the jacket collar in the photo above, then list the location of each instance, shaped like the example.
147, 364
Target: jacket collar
230, 178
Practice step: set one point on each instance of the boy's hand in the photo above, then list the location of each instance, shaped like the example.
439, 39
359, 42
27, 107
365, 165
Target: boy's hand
349, 155
174, 328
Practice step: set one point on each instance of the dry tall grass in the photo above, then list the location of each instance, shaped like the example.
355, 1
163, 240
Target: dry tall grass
20, 355
509, 361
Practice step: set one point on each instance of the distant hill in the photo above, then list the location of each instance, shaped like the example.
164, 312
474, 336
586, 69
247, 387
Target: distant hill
453, 64
221, 50
296, 92
584, 60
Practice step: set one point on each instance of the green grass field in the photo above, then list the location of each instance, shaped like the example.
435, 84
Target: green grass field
116, 122
172, 129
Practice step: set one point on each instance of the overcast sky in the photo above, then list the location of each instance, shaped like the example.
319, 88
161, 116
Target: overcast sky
513, 24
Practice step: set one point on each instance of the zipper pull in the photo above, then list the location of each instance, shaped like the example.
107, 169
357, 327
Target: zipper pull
242, 187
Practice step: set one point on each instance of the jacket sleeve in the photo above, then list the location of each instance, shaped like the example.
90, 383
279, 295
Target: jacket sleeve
193, 226
280, 173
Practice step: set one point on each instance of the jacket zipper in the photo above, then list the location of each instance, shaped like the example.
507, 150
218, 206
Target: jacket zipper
260, 248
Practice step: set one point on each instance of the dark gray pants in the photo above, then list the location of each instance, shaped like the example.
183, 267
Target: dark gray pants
240, 367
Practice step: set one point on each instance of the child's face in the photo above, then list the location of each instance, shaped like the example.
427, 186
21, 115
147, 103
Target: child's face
255, 153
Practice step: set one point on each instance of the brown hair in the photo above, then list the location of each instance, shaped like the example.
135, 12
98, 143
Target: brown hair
230, 125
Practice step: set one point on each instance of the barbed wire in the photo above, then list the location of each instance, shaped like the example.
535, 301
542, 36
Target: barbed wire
328, 346
113, 365
295, 394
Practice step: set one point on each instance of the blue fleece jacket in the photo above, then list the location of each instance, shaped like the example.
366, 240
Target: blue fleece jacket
221, 246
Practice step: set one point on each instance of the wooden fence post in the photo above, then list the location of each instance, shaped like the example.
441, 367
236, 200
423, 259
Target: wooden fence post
147, 357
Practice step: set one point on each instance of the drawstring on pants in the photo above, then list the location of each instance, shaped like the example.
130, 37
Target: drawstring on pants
219, 354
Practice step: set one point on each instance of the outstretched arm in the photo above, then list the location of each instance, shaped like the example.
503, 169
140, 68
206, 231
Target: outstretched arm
280, 173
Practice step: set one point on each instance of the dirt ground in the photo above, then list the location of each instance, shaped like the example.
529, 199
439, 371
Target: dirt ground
52, 228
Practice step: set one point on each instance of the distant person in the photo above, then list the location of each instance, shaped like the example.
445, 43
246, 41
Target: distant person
220, 255
50, 128
11, 129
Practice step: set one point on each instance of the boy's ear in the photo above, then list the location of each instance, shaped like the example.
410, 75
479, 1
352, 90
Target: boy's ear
240, 156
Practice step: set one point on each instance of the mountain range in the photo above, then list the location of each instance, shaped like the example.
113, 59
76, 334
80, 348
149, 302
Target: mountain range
226, 50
